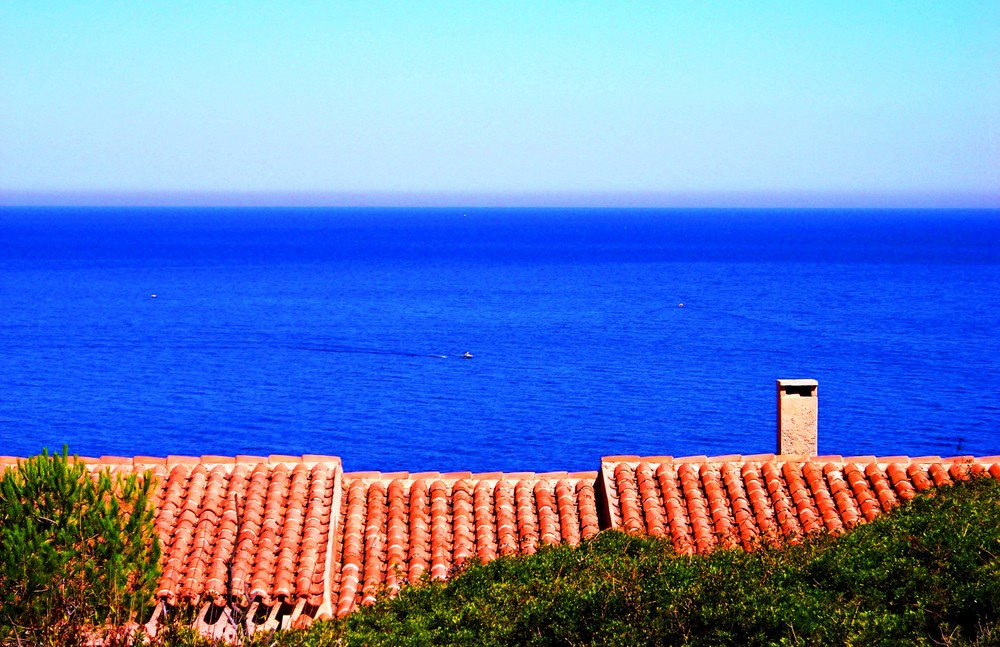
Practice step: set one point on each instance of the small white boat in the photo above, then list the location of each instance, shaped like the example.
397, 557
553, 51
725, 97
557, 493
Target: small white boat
467, 355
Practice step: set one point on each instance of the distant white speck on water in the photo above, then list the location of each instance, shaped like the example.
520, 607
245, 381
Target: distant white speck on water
152, 296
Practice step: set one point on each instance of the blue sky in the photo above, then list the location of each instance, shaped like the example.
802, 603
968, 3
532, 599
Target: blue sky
662, 102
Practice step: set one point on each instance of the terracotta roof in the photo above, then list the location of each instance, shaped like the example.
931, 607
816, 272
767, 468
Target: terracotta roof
395, 528
701, 503
291, 538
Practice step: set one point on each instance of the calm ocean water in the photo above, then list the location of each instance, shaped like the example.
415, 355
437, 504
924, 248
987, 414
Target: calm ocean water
340, 332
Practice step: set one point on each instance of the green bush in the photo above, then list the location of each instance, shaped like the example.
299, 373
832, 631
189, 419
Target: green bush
78, 553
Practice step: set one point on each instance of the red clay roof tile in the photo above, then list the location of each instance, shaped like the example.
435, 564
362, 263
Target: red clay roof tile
714, 503
215, 513
401, 529
587, 505
742, 513
675, 508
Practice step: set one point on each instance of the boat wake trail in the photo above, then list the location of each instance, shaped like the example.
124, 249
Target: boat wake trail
364, 351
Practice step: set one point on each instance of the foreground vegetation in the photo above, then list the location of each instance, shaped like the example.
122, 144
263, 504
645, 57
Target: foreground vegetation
929, 573
76, 552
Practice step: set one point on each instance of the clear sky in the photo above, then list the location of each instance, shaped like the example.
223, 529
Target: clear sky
676, 102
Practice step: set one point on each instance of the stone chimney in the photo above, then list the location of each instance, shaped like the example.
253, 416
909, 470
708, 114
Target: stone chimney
798, 414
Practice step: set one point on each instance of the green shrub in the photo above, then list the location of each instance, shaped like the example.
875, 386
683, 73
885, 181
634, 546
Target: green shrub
78, 553
930, 570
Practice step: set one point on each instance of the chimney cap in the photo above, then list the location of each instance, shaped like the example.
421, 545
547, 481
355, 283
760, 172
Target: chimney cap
798, 382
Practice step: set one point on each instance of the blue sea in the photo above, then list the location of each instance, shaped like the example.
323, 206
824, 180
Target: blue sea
594, 332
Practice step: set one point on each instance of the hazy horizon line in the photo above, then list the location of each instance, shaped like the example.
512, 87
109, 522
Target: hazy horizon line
608, 199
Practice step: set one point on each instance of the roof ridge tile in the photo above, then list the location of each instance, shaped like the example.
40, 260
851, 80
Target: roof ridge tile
283, 458
173, 460
792, 458
212, 459
149, 460
320, 458
115, 460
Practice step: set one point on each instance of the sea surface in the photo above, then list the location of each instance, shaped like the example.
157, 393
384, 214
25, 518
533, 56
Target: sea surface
594, 332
